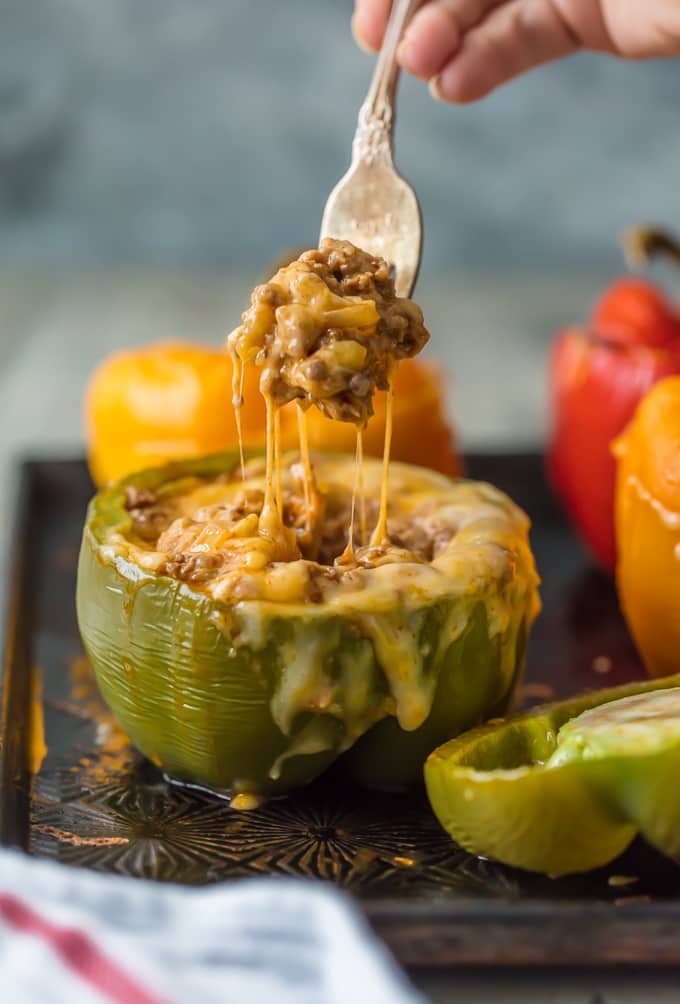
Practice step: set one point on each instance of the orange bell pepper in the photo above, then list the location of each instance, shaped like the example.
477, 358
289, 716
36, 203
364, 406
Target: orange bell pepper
648, 527
162, 402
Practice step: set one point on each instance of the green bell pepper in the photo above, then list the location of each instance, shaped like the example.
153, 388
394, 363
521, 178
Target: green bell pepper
566, 787
229, 695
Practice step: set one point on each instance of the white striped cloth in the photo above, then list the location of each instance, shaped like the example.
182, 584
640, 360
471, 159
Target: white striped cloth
69, 936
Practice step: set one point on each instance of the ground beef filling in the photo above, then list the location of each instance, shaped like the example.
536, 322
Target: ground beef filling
216, 540
149, 517
328, 329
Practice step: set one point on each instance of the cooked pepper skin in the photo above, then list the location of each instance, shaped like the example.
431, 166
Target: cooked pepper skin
493, 793
197, 700
648, 527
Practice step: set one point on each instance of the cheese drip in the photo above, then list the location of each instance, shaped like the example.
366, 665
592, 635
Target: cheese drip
271, 541
348, 556
379, 537
362, 481
237, 377
277, 460
270, 517
308, 485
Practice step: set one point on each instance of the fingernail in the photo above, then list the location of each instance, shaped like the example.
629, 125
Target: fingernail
358, 38
435, 89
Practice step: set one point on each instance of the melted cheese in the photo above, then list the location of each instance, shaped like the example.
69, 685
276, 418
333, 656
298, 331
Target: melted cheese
308, 482
348, 557
380, 536
362, 491
237, 382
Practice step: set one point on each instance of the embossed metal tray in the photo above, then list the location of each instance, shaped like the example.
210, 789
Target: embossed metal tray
87, 799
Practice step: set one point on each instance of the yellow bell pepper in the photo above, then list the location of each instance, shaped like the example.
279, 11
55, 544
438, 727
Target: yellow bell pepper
172, 400
648, 527
162, 402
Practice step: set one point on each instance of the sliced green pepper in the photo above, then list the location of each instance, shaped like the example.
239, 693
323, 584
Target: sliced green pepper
205, 688
564, 788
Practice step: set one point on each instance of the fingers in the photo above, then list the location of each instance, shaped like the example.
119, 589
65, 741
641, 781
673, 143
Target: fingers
514, 38
436, 32
467, 48
438, 23
369, 21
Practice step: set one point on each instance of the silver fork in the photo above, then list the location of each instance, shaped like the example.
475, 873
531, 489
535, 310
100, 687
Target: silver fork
372, 206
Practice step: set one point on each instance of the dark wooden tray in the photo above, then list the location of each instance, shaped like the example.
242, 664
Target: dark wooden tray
92, 801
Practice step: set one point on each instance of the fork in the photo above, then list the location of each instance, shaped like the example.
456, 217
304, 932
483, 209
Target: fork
372, 205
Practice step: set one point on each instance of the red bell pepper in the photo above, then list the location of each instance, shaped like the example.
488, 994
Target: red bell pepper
598, 374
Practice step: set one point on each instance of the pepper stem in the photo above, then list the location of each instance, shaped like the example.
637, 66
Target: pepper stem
641, 245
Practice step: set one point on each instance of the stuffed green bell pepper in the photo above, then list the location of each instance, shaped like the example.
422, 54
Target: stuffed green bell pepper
249, 664
566, 787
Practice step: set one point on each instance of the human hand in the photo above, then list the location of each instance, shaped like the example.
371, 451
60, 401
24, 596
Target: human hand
467, 48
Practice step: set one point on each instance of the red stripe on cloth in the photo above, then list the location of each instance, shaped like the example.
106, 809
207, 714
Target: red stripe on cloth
78, 952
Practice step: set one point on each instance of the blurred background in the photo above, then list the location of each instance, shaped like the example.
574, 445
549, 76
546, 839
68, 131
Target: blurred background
155, 157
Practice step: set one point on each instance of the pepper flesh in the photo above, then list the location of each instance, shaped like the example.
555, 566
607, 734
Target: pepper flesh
496, 792
195, 684
648, 527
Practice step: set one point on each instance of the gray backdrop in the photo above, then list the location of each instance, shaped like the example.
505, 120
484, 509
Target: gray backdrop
211, 131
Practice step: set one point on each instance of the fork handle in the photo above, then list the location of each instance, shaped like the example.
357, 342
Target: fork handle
373, 139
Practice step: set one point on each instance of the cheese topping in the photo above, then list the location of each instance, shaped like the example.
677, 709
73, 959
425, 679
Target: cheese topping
436, 530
